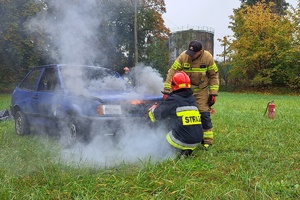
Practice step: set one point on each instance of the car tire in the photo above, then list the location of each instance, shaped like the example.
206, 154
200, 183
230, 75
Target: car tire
21, 124
68, 134
74, 131
72, 134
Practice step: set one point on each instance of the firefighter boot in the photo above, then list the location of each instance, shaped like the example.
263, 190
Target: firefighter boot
208, 138
184, 153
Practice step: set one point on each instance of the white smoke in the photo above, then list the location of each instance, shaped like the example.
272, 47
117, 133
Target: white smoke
147, 80
136, 145
137, 142
73, 31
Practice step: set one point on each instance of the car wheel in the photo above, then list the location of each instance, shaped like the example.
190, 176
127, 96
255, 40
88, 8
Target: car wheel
72, 133
21, 125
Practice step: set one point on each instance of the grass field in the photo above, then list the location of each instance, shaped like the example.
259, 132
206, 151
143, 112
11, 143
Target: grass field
253, 158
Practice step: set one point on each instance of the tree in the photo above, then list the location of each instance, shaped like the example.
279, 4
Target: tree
32, 33
116, 31
262, 44
225, 66
16, 47
280, 5
154, 51
293, 73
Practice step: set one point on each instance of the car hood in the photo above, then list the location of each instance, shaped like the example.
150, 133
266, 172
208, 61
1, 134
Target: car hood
108, 96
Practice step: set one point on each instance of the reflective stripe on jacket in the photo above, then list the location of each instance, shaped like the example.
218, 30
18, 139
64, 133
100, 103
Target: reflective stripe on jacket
202, 71
185, 120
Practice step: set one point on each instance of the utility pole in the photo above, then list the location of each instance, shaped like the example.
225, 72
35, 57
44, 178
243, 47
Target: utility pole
225, 45
136, 53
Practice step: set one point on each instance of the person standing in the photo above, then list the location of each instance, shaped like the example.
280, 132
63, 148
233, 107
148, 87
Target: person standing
184, 117
203, 72
126, 76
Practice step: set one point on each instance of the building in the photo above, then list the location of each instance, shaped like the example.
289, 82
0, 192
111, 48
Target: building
181, 37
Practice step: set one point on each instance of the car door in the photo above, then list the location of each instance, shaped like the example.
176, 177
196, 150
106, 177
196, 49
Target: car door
47, 97
24, 94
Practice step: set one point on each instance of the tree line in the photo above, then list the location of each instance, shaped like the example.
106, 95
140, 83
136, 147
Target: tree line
264, 49
92, 32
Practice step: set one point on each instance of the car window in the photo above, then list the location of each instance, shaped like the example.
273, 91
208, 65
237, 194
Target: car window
103, 79
49, 80
29, 83
98, 73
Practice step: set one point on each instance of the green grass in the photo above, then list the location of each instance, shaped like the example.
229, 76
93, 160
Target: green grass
4, 101
253, 158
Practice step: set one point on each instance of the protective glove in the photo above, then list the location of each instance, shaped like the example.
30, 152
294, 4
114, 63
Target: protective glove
150, 112
211, 99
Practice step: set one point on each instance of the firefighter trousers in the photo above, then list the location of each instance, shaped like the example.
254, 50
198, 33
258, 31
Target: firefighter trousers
201, 97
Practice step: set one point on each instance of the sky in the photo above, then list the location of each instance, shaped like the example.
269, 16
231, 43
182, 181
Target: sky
183, 14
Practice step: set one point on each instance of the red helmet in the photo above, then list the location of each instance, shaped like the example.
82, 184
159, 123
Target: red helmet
126, 69
180, 80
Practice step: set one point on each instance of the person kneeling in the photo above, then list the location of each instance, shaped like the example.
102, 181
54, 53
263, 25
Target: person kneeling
185, 119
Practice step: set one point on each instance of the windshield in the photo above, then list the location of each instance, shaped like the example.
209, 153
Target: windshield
92, 78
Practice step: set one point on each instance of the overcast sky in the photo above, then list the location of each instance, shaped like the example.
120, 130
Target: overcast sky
208, 13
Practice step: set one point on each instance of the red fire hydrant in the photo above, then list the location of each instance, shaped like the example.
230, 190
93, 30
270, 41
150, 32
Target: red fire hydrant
271, 110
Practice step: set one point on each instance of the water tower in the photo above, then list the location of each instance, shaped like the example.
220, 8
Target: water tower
181, 37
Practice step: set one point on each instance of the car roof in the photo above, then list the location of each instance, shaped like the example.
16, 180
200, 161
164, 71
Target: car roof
68, 65
74, 66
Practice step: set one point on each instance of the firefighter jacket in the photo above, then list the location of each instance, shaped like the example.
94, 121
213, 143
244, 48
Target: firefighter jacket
184, 117
202, 71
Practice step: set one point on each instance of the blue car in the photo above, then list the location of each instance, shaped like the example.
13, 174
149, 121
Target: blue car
74, 100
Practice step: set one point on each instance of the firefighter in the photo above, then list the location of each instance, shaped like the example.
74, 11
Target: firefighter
185, 120
126, 76
203, 72
126, 70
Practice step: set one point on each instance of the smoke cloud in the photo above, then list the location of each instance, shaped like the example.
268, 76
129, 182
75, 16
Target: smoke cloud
138, 144
73, 31
147, 80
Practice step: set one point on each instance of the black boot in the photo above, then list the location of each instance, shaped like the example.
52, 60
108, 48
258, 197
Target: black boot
185, 153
